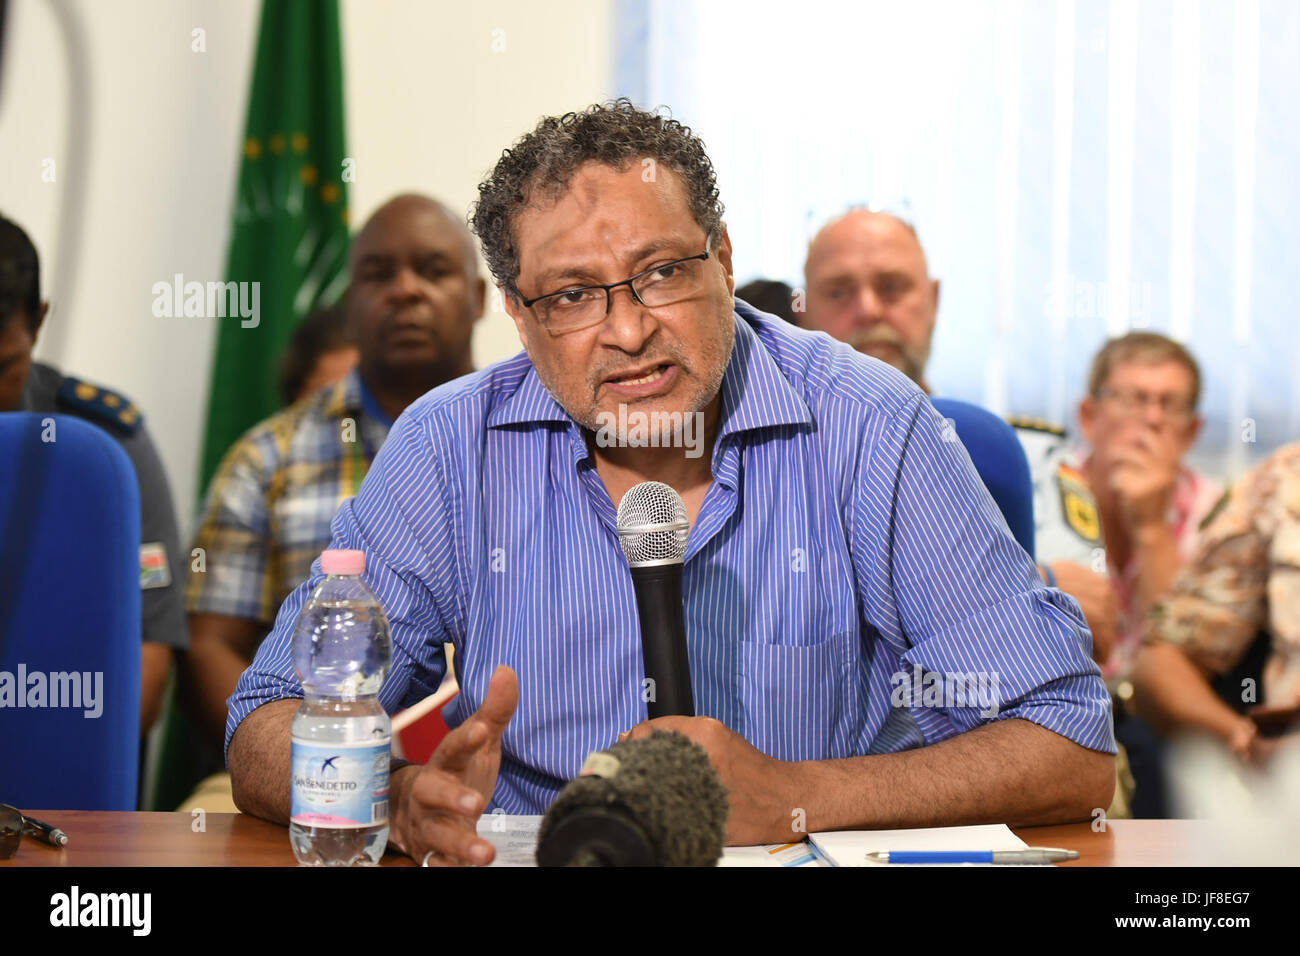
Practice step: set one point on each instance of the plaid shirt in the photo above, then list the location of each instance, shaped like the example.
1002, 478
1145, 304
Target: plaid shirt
269, 507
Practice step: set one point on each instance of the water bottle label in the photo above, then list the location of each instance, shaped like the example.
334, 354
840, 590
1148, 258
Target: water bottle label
340, 785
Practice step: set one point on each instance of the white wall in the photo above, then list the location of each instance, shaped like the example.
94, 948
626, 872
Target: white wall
430, 105
431, 99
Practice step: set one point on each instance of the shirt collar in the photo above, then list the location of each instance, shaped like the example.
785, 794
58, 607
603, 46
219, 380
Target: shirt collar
755, 393
345, 397
530, 401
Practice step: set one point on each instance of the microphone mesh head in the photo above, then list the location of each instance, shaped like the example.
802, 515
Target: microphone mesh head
652, 524
664, 783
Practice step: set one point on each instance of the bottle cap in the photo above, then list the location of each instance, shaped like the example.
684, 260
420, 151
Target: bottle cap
343, 562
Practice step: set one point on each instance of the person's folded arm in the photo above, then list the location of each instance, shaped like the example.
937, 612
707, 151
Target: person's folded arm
221, 648
1008, 771
1207, 622
1175, 695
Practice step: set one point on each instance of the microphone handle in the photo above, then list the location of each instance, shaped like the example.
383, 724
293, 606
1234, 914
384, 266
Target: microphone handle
663, 639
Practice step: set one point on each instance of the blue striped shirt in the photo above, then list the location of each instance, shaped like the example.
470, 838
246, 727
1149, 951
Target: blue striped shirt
847, 571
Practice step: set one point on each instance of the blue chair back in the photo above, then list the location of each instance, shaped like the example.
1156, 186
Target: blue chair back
69, 617
1000, 460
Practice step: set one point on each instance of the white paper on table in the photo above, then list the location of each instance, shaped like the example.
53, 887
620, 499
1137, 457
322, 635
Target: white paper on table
513, 835
515, 839
850, 847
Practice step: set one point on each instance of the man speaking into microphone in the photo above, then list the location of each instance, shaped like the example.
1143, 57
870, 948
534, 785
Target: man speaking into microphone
848, 584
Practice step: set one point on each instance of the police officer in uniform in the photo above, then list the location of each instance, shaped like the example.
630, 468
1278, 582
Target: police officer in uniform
1118, 515
31, 386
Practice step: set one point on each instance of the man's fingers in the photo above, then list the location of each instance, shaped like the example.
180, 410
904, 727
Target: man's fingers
484, 727
1142, 439
451, 842
1160, 444
459, 746
648, 727
436, 790
1148, 449
500, 702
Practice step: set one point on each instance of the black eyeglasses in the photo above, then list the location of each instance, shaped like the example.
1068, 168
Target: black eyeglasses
1134, 401
571, 310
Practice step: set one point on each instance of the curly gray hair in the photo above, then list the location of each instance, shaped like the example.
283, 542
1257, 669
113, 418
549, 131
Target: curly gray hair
543, 162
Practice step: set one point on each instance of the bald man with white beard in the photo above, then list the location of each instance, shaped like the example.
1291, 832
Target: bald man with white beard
867, 283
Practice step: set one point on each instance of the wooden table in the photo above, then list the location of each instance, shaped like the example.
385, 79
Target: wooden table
99, 838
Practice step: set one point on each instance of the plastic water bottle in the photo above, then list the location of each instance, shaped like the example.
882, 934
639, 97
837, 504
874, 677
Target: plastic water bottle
341, 735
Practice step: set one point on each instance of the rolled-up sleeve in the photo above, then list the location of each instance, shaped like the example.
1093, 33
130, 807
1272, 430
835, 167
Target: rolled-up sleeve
961, 612
400, 520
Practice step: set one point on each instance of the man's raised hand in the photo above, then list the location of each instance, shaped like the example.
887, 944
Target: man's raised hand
436, 807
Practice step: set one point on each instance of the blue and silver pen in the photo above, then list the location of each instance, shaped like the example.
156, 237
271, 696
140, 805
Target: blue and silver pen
1031, 856
43, 831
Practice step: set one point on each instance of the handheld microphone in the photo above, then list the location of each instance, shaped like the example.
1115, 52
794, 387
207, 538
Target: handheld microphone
655, 801
652, 529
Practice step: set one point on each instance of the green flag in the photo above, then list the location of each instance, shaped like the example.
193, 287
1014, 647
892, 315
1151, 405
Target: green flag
290, 230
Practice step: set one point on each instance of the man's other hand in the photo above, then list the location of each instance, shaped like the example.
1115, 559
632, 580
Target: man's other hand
1143, 474
763, 791
1252, 748
436, 807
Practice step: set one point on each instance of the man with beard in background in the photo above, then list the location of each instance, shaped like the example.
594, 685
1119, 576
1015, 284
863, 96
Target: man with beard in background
1131, 504
868, 284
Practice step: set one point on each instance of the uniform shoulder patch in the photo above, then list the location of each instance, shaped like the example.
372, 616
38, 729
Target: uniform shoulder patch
154, 572
1036, 425
101, 405
1078, 506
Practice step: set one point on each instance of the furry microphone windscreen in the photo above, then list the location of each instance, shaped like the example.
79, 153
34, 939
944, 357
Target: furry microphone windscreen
655, 801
